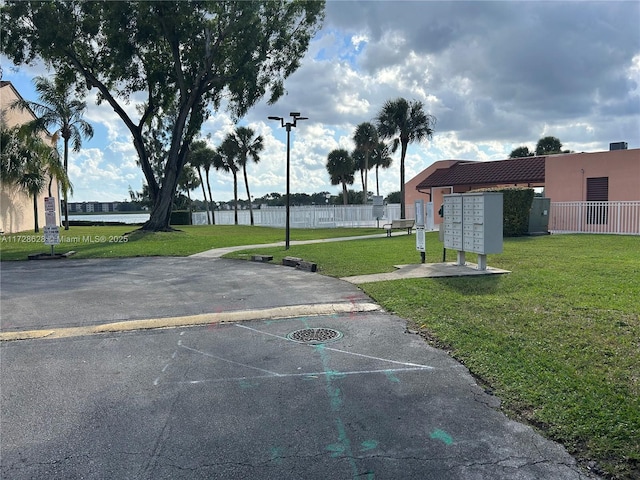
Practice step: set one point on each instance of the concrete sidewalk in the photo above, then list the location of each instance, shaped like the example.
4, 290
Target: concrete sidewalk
219, 252
426, 270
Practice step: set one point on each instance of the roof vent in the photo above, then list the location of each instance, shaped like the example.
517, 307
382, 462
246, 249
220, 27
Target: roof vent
618, 146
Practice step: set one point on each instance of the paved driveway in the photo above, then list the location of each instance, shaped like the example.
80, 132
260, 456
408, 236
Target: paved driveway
243, 399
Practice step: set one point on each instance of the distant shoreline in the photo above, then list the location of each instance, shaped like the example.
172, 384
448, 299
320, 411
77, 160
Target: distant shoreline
108, 218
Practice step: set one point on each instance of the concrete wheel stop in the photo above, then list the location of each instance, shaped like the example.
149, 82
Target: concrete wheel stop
300, 264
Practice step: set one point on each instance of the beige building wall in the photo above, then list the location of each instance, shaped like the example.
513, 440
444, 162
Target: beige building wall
566, 175
16, 207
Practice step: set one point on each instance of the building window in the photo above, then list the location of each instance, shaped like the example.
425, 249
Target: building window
597, 191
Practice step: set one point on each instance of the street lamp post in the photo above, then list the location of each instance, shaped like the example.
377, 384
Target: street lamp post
296, 116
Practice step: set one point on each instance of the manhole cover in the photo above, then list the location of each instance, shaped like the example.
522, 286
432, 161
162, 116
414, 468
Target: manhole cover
315, 335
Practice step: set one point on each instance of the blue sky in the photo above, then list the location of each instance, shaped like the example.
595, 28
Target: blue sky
497, 75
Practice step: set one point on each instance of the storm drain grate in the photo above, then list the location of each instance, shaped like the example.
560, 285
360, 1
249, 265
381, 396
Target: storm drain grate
315, 335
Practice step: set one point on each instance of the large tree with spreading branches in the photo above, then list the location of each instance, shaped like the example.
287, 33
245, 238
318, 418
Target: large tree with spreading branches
181, 59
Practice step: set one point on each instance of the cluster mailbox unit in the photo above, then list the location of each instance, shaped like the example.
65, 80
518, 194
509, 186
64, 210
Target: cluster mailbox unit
473, 223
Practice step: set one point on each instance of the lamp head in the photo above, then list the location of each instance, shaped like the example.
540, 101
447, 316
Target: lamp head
295, 114
275, 118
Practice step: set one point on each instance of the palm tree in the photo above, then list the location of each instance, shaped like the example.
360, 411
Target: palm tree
59, 112
341, 170
198, 158
187, 181
404, 122
216, 161
358, 166
10, 155
247, 146
365, 138
228, 154
380, 158
28, 162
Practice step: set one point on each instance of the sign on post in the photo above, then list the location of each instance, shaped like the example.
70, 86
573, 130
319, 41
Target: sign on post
419, 209
51, 235
51, 230
378, 208
420, 222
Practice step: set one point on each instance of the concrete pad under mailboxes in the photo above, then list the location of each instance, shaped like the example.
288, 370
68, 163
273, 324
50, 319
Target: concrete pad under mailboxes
425, 270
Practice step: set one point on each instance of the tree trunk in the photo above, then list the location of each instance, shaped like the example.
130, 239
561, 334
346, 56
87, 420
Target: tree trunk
235, 195
64, 190
246, 184
159, 220
204, 194
36, 228
402, 200
344, 194
377, 184
364, 183
213, 210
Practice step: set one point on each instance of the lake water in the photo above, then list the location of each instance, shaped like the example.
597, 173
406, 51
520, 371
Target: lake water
115, 217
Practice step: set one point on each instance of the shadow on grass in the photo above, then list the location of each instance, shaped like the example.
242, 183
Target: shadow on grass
472, 285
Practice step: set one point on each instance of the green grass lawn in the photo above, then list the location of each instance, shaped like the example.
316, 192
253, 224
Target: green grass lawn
558, 339
125, 241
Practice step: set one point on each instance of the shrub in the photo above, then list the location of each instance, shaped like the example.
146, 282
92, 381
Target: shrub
180, 217
516, 206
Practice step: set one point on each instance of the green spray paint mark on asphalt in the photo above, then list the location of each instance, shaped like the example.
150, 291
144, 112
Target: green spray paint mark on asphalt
442, 436
391, 376
276, 455
244, 384
341, 448
368, 445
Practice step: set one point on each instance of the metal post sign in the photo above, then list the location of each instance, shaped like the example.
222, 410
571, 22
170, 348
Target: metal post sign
51, 230
420, 237
378, 206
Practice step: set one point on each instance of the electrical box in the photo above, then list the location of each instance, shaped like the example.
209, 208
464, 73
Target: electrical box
539, 216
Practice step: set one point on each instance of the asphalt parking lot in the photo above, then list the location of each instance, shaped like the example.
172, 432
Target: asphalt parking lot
237, 399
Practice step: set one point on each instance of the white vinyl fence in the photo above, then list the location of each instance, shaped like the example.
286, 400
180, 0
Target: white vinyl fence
564, 217
595, 217
315, 216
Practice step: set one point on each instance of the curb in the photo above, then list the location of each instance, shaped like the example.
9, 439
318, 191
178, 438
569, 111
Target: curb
193, 320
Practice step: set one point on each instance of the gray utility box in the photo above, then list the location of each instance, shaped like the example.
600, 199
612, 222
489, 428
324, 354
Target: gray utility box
473, 223
539, 216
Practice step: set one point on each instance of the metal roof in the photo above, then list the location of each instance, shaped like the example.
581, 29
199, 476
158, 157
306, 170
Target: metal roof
501, 172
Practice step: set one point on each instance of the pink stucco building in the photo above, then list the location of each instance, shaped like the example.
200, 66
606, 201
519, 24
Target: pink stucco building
608, 176
575, 176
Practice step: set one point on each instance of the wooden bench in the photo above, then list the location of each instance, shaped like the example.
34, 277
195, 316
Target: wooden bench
399, 224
